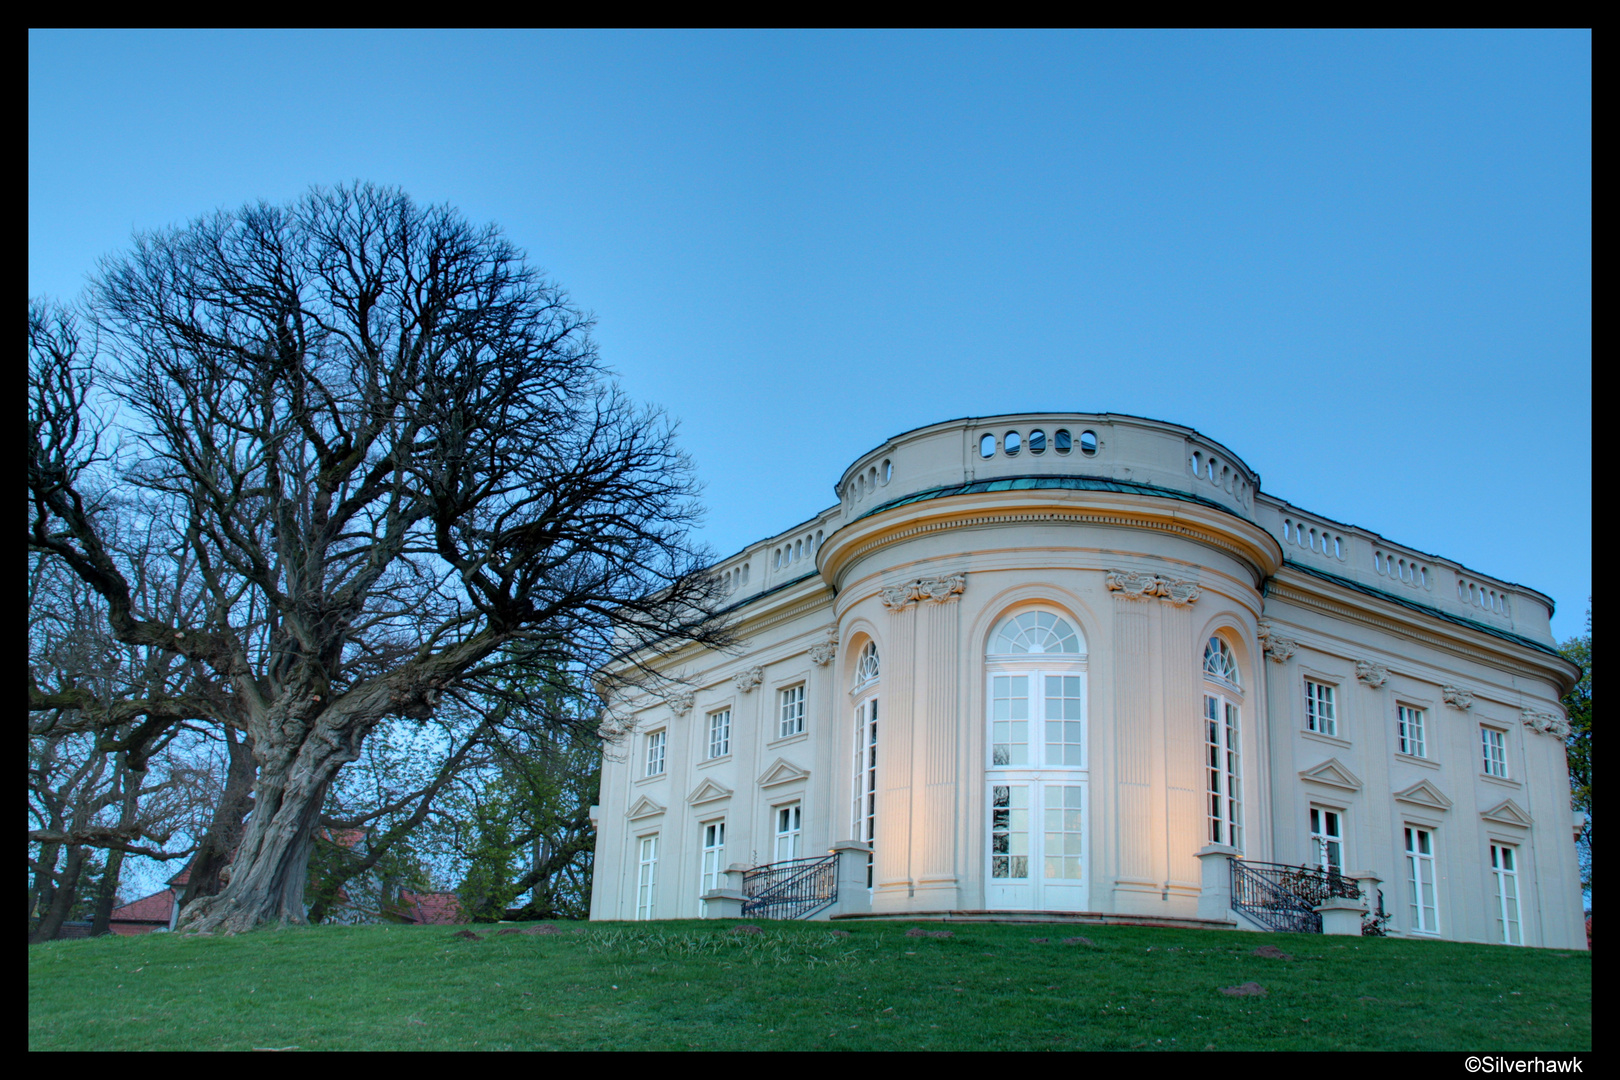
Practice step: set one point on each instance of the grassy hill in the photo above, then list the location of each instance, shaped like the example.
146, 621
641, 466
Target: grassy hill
710, 986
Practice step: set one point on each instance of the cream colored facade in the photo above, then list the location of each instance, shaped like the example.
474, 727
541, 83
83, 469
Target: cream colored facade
1370, 687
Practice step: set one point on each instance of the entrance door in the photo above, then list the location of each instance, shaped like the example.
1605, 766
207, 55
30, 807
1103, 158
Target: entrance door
1037, 859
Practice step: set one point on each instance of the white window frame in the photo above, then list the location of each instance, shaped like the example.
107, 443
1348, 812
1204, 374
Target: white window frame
790, 842
1410, 737
1493, 750
712, 870
1327, 838
719, 744
1423, 912
646, 876
1222, 723
1505, 877
864, 802
1321, 708
657, 751
790, 711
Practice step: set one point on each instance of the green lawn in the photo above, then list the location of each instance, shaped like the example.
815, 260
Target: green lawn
696, 985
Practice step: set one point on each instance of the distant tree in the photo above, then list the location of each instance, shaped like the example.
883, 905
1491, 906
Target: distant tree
390, 451
1578, 746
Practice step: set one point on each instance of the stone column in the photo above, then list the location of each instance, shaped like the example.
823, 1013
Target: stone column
892, 883
1185, 828
1137, 888
1215, 894
935, 735
723, 904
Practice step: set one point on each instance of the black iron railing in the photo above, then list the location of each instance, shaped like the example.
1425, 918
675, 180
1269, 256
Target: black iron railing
795, 889
1285, 897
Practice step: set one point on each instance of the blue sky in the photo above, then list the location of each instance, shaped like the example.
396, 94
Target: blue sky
1362, 261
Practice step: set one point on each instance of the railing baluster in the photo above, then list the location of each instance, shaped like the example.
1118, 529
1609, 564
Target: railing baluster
795, 889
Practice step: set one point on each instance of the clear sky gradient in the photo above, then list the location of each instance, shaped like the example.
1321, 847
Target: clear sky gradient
1361, 261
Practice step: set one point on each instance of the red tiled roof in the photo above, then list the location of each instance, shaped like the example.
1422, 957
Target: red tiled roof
155, 908
345, 837
436, 909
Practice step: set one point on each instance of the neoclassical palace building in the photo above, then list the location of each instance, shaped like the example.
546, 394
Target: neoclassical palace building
1066, 662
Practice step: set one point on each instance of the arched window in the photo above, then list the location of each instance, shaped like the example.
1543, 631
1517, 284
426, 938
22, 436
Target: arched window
1035, 764
866, 668
1222, 722
1035, 632
863, 788
1219, 663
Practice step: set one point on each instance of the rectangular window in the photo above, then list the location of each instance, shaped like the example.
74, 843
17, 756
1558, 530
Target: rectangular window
714, 857
1327, 840
1221, 761
647, 877
788, 831
1319, 712
655, 753
1409, 731
1494, 744
792, 722
1009, 720
865, 786
1064, 741
1422, 904
1009, 831
720, 733
1505, 868
1063, 832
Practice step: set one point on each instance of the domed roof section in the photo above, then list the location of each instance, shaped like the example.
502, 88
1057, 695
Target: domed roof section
1037, 450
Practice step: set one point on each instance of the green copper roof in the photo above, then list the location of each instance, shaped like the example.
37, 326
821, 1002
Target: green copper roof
1048, 483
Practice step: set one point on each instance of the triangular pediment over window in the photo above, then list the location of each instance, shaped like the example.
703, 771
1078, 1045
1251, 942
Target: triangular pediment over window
781, 771
1425, 794
708, 792
1507, 812
1332, 773
643, 808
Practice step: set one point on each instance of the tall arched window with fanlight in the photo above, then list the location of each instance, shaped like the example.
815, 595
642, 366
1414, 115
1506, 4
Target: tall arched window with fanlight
1223, 761
865, 692
1036, 763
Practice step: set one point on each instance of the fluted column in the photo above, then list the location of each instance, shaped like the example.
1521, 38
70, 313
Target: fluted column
892, 876
935, 796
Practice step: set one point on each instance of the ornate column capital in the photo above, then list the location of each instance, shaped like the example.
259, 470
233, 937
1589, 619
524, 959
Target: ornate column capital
1543, 723
1457, 697
1277, 648
681, 702
822, 652
748, 678
1133, 583
942, 589
1374, 675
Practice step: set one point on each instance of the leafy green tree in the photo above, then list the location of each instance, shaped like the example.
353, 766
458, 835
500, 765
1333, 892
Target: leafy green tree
1578, 746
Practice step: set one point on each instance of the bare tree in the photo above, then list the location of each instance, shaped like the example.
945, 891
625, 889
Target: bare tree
389, 448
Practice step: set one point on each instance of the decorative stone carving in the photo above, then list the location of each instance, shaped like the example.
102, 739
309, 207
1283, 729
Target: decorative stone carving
681, 702
1544, 723
941, 590
938, 589
1374, 675
1457, 697
1139, 586
748, 678
1133, 583
1277, 648
896, 597
822, 652
1179, 593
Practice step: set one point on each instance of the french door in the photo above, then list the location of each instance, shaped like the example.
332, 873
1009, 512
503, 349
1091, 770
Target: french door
1036, 789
